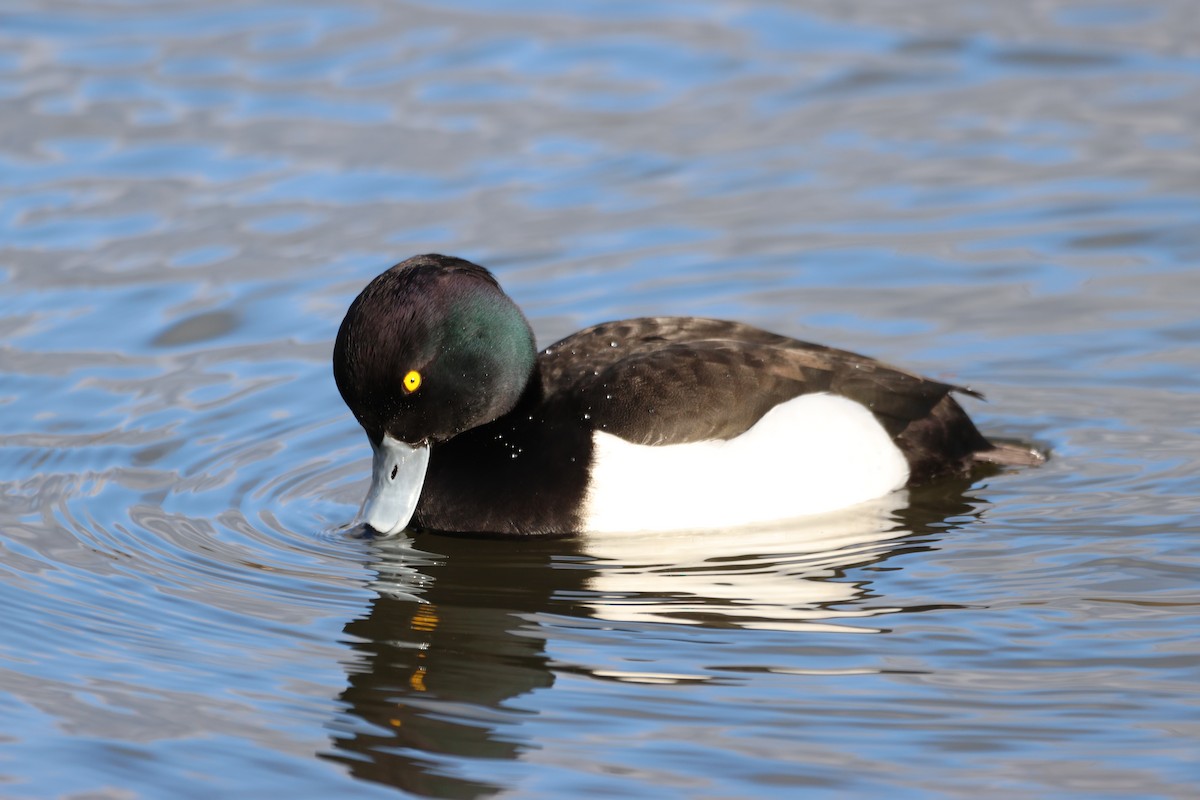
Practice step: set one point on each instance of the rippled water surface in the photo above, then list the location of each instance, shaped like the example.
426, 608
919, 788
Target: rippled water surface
1001, 194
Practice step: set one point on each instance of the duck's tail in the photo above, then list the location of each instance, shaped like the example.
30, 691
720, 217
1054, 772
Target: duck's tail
1010, 454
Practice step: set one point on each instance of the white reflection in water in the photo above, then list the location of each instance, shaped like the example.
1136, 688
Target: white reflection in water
782, 577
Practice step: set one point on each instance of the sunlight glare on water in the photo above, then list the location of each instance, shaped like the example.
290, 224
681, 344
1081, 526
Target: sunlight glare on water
1002, 195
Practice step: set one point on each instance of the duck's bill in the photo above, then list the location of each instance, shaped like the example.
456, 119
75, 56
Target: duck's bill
397, 475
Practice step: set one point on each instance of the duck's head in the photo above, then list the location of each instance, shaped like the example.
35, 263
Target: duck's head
429, 349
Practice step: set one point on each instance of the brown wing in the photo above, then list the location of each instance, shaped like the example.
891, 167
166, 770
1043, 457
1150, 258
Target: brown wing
669, 380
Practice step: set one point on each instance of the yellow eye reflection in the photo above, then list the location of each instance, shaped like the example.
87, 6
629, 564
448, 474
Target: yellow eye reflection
412, 381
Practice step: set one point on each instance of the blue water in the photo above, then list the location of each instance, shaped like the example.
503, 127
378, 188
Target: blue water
1001, 195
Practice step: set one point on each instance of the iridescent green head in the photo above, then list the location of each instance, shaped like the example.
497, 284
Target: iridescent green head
430, 348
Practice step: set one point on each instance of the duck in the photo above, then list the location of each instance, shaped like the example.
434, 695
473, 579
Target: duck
652, 424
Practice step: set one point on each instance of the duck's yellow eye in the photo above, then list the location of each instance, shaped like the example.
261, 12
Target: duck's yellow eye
412, 381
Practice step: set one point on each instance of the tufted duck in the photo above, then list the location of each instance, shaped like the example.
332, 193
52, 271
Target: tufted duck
660, 423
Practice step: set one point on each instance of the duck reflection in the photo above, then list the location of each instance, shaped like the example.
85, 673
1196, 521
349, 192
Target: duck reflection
448, 642
781, 578
454, 645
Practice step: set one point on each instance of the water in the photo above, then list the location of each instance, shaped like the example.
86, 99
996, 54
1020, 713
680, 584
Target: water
1005, 195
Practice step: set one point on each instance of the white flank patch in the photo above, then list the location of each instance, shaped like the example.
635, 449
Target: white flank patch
811, 455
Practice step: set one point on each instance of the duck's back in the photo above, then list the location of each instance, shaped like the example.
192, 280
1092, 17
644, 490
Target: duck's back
675, 380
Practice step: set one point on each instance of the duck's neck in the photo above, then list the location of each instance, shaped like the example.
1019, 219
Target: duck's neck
480, 480
532, 396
